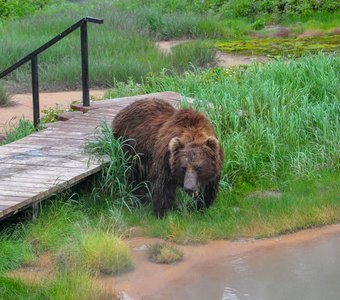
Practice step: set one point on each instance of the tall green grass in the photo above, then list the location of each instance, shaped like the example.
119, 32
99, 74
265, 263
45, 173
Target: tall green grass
117, 176
121, 48
275, 121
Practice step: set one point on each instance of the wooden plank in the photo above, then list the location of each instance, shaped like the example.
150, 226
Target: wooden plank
31, 189
12, 198
17, 193
9, 203
9, 184
51, 151
56, 163
22, 179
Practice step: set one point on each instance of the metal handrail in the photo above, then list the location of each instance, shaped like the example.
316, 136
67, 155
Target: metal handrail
33, 57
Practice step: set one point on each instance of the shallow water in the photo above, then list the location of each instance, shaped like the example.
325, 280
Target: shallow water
309, 270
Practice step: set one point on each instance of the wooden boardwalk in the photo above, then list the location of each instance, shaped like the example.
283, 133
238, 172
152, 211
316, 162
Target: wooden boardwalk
52, 160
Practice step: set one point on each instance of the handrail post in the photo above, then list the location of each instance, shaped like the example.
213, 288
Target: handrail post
85, 64
35, 90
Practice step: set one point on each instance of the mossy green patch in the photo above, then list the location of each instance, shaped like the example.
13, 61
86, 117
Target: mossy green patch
281, 46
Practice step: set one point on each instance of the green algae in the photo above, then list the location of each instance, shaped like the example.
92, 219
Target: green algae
281, 46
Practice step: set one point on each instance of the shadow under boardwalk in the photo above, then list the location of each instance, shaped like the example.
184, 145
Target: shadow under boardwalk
49, 161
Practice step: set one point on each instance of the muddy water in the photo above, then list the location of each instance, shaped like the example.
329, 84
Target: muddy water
305, 265
308, 271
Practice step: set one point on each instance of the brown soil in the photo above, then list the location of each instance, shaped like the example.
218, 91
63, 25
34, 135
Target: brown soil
21, 104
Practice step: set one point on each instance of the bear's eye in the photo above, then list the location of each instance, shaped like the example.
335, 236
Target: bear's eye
183, 169
198, 168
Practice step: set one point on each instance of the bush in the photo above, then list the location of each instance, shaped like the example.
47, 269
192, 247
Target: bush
252, 9
18, 8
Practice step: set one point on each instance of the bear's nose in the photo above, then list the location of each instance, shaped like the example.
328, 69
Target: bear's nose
190, 183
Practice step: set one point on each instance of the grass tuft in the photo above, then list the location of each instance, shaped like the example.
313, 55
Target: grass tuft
105, 253
117, 175
164, 253
5, 97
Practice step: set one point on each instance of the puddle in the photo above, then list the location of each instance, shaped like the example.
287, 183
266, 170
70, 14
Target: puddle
304, 265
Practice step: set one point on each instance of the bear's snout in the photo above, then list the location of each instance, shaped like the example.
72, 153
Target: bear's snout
190, 183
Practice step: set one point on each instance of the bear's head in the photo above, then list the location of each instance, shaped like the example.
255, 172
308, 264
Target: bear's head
194, 164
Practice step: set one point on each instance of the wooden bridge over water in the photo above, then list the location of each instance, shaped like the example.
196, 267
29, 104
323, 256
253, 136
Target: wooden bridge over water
52, 160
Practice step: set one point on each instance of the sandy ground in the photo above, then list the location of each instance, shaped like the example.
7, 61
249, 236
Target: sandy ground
21, 104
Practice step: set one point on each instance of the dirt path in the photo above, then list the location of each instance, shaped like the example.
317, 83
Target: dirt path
21, 104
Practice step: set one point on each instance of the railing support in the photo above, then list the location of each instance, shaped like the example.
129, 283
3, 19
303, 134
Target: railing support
33, 57
85, 64
35, 90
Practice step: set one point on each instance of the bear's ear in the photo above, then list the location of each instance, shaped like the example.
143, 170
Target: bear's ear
212, 143
175, 144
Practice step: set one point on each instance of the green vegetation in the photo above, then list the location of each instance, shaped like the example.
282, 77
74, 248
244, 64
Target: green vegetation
68, 286
282, 46
278, 124
17, 8
14, 252
80, 234
15, 132
274, 121
164, 253
116, 177
123, 48
104, 253
4, 96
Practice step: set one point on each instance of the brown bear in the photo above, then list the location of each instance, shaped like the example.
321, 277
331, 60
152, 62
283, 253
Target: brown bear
177, 148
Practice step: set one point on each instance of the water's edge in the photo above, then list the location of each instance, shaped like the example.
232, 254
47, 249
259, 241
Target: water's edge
302, 265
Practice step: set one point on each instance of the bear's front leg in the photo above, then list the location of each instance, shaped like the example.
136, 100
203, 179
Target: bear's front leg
163, 197
209, 194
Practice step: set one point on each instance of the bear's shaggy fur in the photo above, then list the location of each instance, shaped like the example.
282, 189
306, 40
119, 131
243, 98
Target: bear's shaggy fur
177, 147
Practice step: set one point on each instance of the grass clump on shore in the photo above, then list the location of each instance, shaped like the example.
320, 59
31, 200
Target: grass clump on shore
105, 253
164, 253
